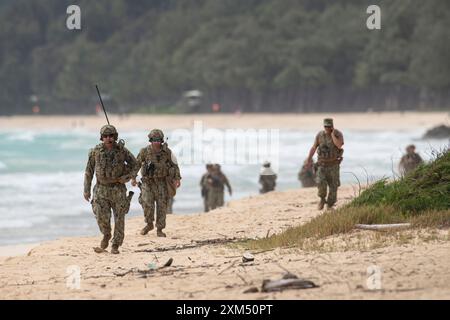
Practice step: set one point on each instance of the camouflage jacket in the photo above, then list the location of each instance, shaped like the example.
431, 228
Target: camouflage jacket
158, 165
327, 152
217, 181
117, 165
409, 162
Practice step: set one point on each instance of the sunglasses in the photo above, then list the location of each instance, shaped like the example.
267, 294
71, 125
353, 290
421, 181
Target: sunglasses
156, 140
108, 136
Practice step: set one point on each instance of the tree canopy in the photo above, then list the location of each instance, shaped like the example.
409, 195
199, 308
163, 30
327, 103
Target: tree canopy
144, 52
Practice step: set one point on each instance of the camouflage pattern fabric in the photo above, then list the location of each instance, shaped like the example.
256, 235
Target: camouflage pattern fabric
216, 182
327, 152
154, 192
204, 191
329, 158
328, 176
112, 169
409, 162
216, 198
107, 198
267, 182
156, 168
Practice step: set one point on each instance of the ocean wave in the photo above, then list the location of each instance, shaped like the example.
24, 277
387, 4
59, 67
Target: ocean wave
28, 136
27, 222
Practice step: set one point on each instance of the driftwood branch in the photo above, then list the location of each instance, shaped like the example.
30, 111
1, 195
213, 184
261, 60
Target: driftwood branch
378, 227
197, 243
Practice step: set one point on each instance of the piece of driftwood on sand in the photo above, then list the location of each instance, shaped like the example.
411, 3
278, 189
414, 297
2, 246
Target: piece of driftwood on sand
382, 227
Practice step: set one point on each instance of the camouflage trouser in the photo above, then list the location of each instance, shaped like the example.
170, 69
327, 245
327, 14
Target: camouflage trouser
151, 193
205, 204
328, 176
266, 189
107, 198
215, 198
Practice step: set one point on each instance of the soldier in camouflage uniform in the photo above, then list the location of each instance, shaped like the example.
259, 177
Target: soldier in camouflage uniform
215, 182
113, 166
160, 178
307, 175
204, 186
410, 160
267, 178
328, 144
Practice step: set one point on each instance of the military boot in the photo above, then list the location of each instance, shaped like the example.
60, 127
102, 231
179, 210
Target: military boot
147, 228
159, 233
105, 241
115, 249
321, 204
330, 206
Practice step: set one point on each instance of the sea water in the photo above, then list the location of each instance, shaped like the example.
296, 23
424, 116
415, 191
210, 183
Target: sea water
41, 174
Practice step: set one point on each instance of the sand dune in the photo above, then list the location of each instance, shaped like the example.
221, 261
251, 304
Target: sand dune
205, 267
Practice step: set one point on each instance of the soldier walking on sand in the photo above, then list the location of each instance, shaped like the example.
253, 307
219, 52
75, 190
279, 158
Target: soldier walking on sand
113, 165
328, 144
204, 186
410, 160
160, 176
267, 178
216, 182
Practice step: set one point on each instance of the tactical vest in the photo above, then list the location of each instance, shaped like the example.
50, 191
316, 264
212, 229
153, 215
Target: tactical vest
157, 165
327, 151
109, 164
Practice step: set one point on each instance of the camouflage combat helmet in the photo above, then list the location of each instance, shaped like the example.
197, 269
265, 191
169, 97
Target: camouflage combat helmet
156, 135
328, 122
108, 129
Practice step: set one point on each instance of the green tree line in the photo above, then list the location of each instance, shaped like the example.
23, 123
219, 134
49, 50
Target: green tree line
146, 53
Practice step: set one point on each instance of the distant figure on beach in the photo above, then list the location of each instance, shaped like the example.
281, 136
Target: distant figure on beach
160, 176
328, 144
410, 160
204, 186
216, 182
267, 178
307, 175
113, 165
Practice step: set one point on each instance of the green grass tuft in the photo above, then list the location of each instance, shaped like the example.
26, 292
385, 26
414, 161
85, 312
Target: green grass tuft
421, 198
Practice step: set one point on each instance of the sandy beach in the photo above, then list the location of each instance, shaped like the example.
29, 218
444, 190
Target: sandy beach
207, 266
310, 121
